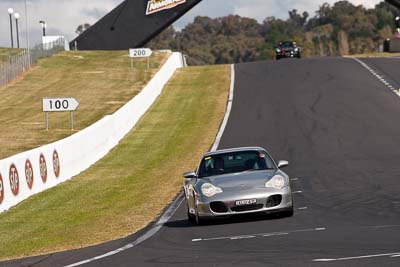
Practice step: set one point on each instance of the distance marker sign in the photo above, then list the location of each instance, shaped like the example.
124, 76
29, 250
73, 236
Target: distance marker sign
59, 104
140, 52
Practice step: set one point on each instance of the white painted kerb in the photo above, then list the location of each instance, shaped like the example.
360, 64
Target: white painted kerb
79, 151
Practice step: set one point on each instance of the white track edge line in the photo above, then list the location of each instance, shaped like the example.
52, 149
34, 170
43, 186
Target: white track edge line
358, 257
227, 112
376, 75
238, 237
174, 206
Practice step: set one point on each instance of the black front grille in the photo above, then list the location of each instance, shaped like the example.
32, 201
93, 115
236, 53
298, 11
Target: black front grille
218, 207
274, 201
247, 208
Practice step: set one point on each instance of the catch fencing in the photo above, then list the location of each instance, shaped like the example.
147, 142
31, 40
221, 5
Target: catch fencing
16, 65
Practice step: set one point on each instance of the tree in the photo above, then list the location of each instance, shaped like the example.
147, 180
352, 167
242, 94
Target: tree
336, 29
82, 28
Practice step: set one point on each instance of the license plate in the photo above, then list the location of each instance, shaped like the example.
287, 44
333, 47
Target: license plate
246, 202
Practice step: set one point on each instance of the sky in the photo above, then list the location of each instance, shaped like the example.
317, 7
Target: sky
63, 16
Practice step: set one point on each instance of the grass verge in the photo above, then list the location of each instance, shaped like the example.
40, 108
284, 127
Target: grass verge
127, 189
6, 53
102, 81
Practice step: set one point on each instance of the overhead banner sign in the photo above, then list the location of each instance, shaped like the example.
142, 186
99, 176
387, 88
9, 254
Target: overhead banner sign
154, 6
132, 24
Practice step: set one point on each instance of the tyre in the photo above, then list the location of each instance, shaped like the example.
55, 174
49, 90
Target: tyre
289, 212
278, 57
197, 219
191, 217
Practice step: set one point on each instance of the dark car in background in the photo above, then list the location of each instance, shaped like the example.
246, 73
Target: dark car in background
287, 49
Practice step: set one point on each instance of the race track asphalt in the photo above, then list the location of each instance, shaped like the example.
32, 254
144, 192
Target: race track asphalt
339, 127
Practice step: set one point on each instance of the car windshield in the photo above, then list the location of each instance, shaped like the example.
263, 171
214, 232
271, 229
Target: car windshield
286, 45
235, 162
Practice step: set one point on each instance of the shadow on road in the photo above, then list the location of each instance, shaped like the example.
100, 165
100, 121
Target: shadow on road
227, 220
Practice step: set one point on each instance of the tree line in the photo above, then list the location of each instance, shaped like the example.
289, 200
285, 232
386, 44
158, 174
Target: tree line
338, 29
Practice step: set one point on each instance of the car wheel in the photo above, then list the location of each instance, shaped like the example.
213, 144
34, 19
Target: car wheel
289, 212
199, 221
191, 217
277, 58
197, 218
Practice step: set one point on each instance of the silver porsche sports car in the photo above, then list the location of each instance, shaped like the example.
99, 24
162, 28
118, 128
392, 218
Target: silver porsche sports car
237, 181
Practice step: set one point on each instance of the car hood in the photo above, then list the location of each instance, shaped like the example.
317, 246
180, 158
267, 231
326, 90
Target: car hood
241, 181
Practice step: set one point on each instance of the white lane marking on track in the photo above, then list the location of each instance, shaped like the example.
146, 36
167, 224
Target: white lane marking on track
359, 257
297, 192
379, 77
381, 226
303, 208
395, 256
242, 237
294, 179
163, 219
228, 111
239, 237
275, 234
173, 208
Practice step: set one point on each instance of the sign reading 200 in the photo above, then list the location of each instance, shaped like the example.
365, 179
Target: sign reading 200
140, 52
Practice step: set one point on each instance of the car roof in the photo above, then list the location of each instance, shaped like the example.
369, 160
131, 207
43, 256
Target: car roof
230, 150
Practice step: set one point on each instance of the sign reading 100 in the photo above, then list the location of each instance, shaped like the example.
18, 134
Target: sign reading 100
59, 104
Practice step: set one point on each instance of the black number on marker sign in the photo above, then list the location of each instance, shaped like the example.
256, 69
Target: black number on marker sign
65, 104
139, 53
58, 104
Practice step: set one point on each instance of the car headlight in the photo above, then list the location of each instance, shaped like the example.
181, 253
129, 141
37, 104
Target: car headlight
210, 190
296, 49
277, 182
278, 50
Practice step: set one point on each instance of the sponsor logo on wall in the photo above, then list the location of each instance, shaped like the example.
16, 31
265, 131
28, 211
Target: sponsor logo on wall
154, 6
56, 164
1, 189
29, 173
43, 168
14, 180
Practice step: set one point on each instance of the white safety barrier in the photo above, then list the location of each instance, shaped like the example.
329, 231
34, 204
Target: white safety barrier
34, 171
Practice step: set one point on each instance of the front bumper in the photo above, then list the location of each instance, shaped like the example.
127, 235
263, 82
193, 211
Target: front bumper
289, 54
268, 200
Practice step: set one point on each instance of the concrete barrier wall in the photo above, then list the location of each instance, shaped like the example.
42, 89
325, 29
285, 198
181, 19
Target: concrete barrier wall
34, 171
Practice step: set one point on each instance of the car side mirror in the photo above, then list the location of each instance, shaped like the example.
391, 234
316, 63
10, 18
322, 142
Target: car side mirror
190, 175
283, 164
